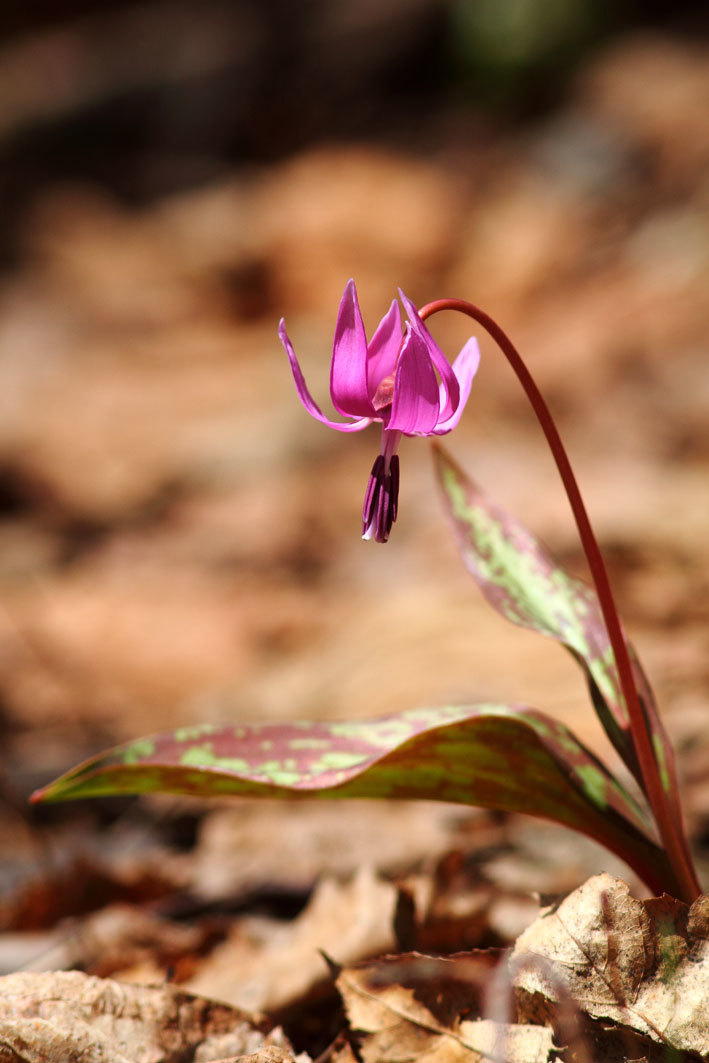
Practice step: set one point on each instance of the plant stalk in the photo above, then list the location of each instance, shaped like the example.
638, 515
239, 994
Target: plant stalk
669, 824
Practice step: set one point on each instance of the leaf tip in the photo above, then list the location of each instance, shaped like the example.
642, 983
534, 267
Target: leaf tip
43, 795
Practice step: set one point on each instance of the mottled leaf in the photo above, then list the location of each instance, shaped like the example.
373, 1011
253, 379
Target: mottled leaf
523, 582
495, 756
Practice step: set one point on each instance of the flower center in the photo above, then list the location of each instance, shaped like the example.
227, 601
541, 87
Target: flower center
384, 393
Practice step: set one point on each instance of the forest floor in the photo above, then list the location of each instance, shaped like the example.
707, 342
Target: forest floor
179, 543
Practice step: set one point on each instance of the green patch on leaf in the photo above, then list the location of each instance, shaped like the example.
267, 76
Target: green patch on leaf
191, 734
337, 760
594, 783
144, 747
309, 743
203, 756
659, 747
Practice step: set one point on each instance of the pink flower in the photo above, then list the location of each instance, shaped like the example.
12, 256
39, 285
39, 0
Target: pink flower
401, 379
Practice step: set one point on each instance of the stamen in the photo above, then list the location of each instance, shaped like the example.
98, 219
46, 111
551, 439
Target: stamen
381, 499
384, 394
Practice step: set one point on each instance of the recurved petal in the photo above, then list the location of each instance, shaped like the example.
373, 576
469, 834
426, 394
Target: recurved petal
304, 395
465, 367
348, 372
415, 403
383, 349
450, 392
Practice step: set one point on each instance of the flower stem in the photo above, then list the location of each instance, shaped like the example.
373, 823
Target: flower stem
668, 820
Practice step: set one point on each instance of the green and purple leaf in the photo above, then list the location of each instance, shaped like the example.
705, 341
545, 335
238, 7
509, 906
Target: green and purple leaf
494, 756
523, 582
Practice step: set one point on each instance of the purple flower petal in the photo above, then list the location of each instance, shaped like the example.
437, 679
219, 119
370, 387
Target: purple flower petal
415, 404
348, 372
465, 367
304, 395
450, 391
383, 349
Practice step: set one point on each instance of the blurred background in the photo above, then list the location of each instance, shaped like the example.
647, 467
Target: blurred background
179, 541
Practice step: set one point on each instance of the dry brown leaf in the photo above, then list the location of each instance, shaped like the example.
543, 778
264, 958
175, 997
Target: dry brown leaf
264, 1055
641, 965
425, 1019
265, 963
69, 1017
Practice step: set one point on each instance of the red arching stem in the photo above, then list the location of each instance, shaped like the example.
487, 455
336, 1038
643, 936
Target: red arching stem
671, 831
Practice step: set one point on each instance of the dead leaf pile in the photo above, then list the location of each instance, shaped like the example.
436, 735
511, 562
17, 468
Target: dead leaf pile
599, 977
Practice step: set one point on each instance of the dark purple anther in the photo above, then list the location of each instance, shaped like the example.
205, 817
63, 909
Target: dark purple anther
381, 499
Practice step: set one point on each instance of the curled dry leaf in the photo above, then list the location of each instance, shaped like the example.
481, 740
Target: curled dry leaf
639, 965
420, 1008
266, 963
67, 1015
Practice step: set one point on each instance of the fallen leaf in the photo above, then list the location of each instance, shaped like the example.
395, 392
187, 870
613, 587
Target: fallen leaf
641, 965
415, 1007
265, 1055
69, 1017
266, 963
